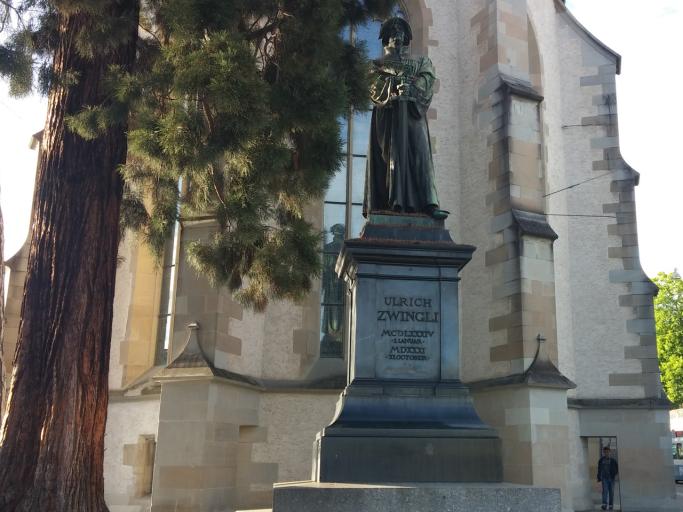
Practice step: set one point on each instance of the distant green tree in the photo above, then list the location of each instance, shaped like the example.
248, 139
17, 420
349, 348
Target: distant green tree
239, 100
669, 319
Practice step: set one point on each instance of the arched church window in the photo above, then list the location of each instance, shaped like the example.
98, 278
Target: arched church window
343, 204
169, 269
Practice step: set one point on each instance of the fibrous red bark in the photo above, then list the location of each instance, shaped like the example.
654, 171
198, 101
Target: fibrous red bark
51, 457
2, 312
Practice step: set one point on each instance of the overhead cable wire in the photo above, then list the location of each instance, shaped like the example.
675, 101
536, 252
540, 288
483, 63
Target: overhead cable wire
579, 183
580, 215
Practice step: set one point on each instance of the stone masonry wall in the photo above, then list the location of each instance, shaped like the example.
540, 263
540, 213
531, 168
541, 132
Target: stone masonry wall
129, 452
605, 297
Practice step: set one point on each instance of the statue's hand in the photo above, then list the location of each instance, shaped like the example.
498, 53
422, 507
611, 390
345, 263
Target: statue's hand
406, 89
383, 91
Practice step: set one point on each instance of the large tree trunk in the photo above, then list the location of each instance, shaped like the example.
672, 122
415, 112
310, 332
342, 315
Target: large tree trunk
2, 313
51, 458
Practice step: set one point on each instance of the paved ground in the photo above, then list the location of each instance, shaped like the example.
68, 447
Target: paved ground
679, 492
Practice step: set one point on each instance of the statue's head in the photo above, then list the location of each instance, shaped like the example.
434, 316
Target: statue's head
395, 32
337, 231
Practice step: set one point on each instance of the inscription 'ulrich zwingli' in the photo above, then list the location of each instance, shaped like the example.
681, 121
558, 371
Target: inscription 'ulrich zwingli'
408, 344
407, 316
408, 302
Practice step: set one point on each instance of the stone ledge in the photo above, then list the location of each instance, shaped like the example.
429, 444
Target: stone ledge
620, 403
332, 497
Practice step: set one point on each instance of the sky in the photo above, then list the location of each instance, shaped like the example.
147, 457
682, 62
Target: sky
19, 119
648, 35
649, 38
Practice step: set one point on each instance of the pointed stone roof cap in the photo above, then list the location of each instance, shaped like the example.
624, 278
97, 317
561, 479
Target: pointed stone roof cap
192, 362
541, 373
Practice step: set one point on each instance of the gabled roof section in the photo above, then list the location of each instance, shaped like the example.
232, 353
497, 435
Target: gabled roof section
534, 224
587, 35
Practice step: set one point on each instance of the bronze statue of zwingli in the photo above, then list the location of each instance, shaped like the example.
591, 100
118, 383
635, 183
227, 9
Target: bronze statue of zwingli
400, 169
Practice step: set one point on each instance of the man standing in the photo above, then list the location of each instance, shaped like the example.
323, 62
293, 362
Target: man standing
607, 472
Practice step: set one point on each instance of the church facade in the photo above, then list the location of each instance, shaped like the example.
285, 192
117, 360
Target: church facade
211, 403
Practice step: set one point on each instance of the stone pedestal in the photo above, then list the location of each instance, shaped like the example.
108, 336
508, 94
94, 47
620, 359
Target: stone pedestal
310, 496
404, 415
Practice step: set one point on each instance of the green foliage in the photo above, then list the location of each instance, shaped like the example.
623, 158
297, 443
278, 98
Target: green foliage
669, 319
238, 100
16, 63
32, 29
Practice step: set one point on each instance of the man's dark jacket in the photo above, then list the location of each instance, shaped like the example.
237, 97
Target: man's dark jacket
609, 465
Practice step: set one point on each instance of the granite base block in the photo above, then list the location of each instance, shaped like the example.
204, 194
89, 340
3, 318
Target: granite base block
414, 456
331, 497
396, 432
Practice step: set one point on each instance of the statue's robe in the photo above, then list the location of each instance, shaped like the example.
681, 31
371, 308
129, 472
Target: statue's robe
332, 291
400, 170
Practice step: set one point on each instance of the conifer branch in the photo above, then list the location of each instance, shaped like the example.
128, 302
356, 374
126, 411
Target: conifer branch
9, 9
216, 188
208, 116
261, 75
148, 31
270, 26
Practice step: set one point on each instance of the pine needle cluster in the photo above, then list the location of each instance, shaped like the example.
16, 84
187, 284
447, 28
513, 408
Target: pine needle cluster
237, 100
669, 325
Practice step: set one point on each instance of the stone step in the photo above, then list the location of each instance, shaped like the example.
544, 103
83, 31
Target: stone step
331, 497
